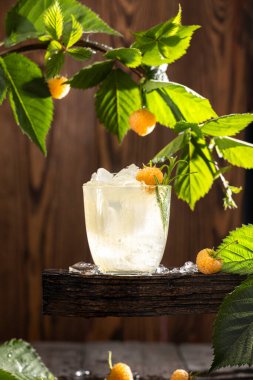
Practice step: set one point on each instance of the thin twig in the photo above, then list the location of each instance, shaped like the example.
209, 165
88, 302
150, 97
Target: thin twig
44, 45
25, 48
221, 176
228, 192
83, 43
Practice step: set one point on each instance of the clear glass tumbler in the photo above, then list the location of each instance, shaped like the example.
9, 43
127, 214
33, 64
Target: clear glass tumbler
127, 226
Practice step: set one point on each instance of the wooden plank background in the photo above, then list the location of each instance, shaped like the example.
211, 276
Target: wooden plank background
41, 206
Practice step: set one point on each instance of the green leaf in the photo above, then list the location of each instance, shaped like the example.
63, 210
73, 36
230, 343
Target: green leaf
21, 361
25, 19
29, 97
173, 106
164, 43
193, 107
151, 85
195, 172
116, 99
185, 104
54, 63
235, 189
92, 75
228, 125
233, 329
156, 104
73, 32
177, 20
163, 195
54, 47
54, 59
223, 170
175, 46
236, 152
236, 251
3, 86
173, 147
5, 375
53, 20
80, 53
129, 56
182, 126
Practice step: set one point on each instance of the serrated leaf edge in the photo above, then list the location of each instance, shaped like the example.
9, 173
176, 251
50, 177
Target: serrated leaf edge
13, 87
226, 300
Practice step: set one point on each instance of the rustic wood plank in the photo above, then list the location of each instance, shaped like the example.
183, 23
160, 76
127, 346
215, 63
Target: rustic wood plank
148, 361
72, 294
63, 359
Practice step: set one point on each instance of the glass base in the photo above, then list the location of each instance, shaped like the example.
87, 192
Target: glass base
132, 273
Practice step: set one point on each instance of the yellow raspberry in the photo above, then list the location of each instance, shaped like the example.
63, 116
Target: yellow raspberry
206, 263
57, 89
180, 374
148, 175
142, 122
120, 371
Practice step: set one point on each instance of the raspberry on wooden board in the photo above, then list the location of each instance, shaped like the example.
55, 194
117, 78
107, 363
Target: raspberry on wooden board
120, 371
207, 263
180, 374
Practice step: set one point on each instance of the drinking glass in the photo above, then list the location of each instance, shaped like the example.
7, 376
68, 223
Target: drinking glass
127, 226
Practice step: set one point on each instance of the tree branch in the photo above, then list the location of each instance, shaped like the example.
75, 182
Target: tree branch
25, 48
43, 46
83, 43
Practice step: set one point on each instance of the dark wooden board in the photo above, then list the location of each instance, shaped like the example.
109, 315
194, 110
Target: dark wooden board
84, 295
147, 360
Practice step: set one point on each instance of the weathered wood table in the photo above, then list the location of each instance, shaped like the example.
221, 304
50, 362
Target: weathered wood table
89, 294
83, 294
156, 361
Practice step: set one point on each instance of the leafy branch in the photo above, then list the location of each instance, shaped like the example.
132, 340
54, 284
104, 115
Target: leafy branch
128, 79
193, 146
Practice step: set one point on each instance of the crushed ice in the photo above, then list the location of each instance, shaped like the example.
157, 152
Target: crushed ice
188, 268
125, 176
90, 269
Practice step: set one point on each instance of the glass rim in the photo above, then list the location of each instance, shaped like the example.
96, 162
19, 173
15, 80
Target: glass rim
105, 185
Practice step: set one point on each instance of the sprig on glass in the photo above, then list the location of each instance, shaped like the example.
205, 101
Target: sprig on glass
162, 188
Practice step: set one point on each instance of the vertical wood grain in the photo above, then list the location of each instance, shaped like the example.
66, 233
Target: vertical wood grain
41, 206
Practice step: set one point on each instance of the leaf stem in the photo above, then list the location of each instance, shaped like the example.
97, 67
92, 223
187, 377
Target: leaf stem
228, 192
110, 359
